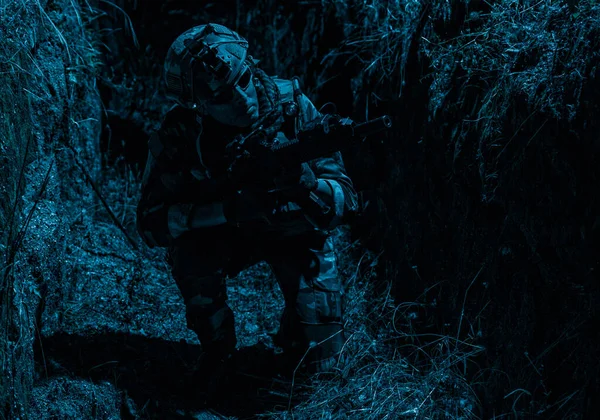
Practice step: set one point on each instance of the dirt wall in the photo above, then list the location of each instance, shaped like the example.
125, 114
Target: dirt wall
49, 105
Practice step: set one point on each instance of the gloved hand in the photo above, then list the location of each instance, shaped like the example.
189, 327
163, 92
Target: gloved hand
254, 168
246, 206
297, 182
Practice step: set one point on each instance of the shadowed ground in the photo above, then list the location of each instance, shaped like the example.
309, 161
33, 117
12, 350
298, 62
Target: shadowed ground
157, 376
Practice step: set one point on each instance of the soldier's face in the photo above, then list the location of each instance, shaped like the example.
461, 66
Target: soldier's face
237, 106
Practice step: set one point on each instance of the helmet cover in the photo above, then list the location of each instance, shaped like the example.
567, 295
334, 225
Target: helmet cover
202, 61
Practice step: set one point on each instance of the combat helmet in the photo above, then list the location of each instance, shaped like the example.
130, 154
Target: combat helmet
205, 62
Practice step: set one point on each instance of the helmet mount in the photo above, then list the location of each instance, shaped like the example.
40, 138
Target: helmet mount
204, 60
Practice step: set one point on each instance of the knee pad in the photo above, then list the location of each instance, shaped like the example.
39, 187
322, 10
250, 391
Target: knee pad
215, 328
320, 295
207, 314
204, 301
319, 306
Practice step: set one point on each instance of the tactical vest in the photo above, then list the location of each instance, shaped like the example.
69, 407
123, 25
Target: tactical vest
178, 145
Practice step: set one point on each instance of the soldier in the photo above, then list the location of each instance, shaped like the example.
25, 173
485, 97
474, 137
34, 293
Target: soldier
220, 93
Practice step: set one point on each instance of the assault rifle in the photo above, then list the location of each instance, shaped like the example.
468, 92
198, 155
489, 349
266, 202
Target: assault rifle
254, 162
327, 135
323, 136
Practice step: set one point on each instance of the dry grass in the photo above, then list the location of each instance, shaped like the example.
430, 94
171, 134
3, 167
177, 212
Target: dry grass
535, 53
379, 37
16, 151
501, 53
495, 103
385, 372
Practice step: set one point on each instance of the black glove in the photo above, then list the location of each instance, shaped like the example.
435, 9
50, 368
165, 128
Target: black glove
248, 206
256, 168
297, 182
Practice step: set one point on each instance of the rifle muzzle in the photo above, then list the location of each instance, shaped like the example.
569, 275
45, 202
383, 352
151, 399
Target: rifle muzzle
373, 126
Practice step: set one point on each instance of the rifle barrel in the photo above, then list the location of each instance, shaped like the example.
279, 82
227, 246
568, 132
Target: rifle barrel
374, 126
311, 147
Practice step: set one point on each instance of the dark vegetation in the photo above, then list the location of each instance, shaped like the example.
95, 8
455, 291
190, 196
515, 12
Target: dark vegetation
471, 272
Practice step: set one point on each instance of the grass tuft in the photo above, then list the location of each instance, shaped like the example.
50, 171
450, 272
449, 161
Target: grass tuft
386, 372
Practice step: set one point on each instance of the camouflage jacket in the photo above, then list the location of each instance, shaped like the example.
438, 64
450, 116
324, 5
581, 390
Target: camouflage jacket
181, 157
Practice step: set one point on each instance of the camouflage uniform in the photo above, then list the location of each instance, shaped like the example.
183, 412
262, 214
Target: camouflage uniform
188, 149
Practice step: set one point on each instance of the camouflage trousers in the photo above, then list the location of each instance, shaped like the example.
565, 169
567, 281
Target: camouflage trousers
305, 268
